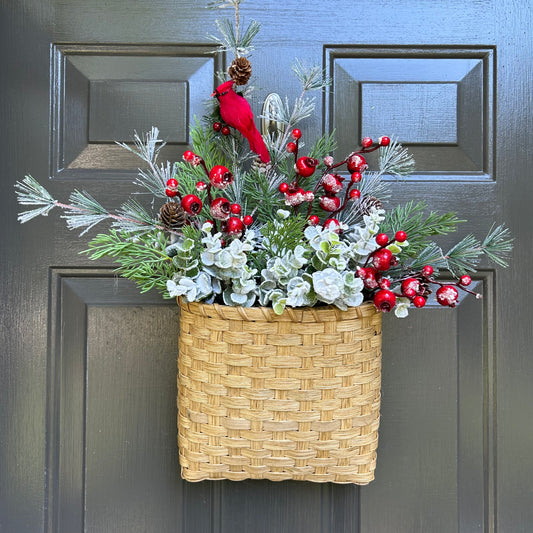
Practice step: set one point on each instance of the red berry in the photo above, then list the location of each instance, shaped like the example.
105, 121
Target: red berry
384, 300
384, 141
332, 183
236, 209
356, 177
220, 208
447, 295
419, 301
333, 224
465, 280
330, 203
313, 220
234, 226
369, 277
410, 287
296, 134
191, 204
248, 220
382, 239
217, 126
220, 177
384, 283
171, 192
361, 272
401, 236
294, 196
201, 186
427, 271
305, 166
172, 182
366, 142
356, 163
354, 194
225, 130
291, 148
382, 259
283, 187
188, 155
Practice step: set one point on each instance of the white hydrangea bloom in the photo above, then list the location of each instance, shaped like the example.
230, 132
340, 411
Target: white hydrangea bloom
327, 285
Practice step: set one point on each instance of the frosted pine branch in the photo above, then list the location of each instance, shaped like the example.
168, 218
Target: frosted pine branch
30, 192
396, 160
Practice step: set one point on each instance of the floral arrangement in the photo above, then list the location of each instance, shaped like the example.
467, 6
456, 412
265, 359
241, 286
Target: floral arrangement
248, 219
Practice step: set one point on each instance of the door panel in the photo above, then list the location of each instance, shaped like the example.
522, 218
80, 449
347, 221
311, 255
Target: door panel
87, 435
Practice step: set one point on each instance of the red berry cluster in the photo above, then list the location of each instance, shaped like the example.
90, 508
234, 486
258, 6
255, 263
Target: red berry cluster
330, 182
222, 128
220, 208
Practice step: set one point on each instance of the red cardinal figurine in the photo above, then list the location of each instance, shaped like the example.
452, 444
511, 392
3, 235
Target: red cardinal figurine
236, 112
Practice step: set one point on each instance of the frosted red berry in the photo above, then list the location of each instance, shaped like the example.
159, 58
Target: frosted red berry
172, 182
333, 224
220, 208
384, 283
410, 287
382, 239
401, 236
332, 183
201, 186
447, 295
465, 280
356, 177
427, 271
356, 163
354, 194
296, 134
313, 220
191, 204
220, 177
381, 260
234, 226
171, 192
330, 203
384, 300
291, 147
366, 142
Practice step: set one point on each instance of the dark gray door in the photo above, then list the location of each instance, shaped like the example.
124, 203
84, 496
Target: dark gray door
87, 380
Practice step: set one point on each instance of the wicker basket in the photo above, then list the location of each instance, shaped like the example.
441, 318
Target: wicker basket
263, 396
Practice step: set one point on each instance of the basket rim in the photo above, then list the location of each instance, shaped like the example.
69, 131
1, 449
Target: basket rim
322, 313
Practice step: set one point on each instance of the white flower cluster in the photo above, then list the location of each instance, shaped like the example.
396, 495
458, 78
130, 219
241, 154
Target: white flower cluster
322, 268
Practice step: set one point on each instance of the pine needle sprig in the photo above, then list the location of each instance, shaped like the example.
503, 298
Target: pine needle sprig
134, 218
84, 211
396, 160
498, 245
141, 257
411, 218
312, 78
147, 146
30, 192
324, 145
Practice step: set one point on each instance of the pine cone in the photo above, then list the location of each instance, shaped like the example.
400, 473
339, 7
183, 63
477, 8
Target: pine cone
260, 167
172, 215
369, 202
240, 70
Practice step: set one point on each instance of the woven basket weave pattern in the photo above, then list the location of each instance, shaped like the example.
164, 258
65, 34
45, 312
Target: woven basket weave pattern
263, 396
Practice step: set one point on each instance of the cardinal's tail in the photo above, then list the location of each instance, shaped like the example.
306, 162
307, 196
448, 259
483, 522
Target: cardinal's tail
257, 145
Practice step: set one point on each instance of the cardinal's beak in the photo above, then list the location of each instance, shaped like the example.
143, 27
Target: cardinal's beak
215, 94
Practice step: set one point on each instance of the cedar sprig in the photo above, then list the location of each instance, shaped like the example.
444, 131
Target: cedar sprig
281, 236
141, 257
